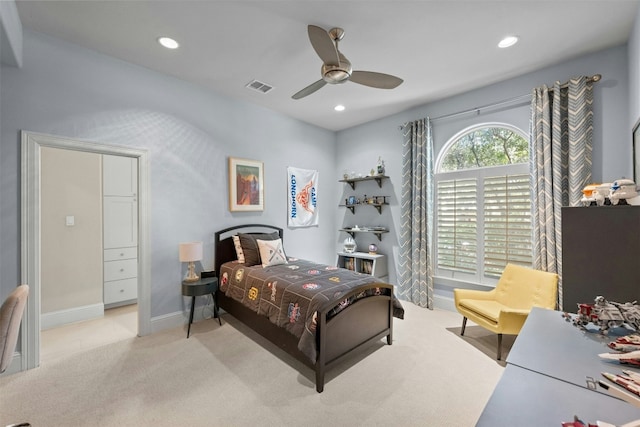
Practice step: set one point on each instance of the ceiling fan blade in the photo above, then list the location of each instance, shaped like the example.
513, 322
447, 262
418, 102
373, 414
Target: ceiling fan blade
377, 80
309, 89
323, 45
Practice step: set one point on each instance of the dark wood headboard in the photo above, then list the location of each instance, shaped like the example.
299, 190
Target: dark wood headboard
223, 242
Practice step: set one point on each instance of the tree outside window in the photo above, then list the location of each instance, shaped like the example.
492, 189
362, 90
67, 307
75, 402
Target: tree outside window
487, 146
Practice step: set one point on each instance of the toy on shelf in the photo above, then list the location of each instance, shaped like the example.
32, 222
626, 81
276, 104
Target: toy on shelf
607, 315
621, 190
589, 195
614, 193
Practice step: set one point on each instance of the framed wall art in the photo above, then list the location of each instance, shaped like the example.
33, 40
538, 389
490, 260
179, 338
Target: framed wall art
636, 152
246, 185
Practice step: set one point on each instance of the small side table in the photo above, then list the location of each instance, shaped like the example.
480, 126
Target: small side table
204, 286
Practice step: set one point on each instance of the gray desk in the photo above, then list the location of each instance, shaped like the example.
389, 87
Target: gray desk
526, 398
544, 382
552, 346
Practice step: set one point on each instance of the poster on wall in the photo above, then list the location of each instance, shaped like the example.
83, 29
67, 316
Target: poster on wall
302, 196
246, 185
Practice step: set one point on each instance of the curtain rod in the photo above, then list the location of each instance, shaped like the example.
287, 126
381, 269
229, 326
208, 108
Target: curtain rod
477, 110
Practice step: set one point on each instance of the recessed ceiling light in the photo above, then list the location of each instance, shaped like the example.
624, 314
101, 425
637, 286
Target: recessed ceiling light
168, 42
339, 107
508, 41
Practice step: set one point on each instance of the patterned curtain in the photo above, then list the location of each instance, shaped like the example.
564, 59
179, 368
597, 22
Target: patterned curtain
416, 227
560, 147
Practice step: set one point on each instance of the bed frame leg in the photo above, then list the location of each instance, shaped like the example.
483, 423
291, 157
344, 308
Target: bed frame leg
320, 380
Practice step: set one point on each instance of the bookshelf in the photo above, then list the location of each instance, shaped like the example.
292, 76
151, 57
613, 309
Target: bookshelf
365, 263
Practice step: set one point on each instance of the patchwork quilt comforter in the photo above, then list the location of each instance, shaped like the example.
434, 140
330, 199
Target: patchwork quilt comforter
291, 294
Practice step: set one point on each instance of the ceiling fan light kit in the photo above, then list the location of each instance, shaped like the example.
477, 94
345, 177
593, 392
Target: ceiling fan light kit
336, 68
336, 74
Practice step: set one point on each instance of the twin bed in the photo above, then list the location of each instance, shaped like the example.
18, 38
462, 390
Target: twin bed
317, 313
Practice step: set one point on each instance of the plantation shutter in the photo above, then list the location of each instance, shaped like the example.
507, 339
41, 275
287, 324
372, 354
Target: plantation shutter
457, 224
507, 223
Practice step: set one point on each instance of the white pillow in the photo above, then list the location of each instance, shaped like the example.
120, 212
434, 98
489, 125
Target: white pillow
271, 252
239, 253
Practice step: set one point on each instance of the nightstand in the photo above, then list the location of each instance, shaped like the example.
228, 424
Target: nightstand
204, 286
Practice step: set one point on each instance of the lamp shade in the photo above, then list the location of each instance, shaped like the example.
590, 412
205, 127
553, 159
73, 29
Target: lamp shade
190, 252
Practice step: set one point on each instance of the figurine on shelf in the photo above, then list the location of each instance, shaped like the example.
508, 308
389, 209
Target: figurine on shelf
380, 166
373, 249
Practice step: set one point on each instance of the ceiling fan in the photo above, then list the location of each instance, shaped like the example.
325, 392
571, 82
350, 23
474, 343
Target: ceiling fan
336, 68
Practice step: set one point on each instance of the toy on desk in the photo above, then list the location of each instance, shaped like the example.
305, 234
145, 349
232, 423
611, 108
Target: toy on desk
629, 348
607, 315
631, 358
626, 343
579, 423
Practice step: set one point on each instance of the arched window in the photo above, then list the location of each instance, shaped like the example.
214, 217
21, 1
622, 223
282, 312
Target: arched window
483, 203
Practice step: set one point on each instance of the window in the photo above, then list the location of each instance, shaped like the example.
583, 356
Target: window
483, 215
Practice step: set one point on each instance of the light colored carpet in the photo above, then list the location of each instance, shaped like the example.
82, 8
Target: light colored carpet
227, 376
117, 324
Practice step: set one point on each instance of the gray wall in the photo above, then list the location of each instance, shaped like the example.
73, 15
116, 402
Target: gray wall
66, 90
612, 129
634, 71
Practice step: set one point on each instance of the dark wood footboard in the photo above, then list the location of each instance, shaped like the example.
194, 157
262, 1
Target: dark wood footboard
364, 322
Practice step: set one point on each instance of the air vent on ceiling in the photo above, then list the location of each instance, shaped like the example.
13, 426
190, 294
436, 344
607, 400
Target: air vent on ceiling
259, 86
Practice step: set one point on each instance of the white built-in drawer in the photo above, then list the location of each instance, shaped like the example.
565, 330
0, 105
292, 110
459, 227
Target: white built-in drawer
118, 270
120, 253
120, 290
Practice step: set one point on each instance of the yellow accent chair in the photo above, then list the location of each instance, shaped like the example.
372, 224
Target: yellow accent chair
504, 309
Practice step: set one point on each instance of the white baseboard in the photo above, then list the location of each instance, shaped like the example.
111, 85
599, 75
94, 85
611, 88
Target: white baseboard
181, 318
71, 315
15, 365
167, 321
444, 303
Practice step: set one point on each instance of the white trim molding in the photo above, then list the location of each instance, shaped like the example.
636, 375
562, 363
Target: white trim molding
71, 315
30, 233
181, 318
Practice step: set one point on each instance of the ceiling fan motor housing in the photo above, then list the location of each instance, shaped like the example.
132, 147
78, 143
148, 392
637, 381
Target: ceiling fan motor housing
335, 74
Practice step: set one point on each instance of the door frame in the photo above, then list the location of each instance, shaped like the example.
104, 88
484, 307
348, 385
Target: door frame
30, 263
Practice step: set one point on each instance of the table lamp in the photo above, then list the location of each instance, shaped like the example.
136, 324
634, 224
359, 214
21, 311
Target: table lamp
191, 252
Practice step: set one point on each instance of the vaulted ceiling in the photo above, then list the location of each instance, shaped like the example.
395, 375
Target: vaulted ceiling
438, 47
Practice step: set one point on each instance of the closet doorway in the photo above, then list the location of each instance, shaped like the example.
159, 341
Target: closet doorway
32, 255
